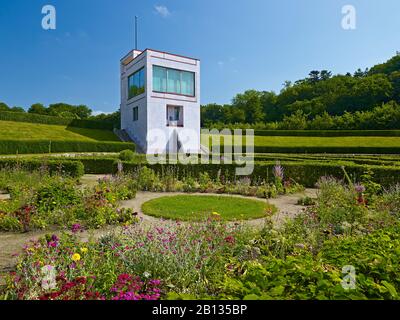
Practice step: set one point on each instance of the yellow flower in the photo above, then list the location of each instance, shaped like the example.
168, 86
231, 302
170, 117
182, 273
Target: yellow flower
216, 214
84, 250
76, 257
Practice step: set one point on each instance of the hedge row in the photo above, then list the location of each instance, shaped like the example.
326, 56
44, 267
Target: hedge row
329, 133
45, 146
337, 150
354, 159
43, 119
67, 167
306, 173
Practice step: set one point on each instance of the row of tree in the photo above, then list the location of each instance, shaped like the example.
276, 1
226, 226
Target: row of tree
318, 94
65, 110
384, 117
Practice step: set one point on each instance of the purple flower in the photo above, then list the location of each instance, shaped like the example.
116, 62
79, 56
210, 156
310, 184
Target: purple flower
359, 188
76, 228
278, 171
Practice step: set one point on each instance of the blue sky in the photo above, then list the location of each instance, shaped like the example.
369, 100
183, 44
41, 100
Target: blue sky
252, 44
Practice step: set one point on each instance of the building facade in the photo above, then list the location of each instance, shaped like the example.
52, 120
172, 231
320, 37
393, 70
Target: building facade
160, 101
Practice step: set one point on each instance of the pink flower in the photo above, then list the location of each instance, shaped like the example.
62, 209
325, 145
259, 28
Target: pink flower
76, 228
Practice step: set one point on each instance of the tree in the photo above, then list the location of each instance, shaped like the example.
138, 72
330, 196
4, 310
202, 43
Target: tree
360, 74
325, 75
212, 113
296, 121
287, 84
250, 103
38, 108
64, 109
17, 109
4, 107
83, 112
388, 67
269, 106
313, 77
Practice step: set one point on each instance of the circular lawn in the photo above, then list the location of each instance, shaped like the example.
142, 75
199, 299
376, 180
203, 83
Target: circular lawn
198, 207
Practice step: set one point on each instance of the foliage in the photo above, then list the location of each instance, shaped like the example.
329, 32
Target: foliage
61, 166
52, 120
126, 155
306, 258
47, 146
319, 101
188, 258
39, 200
63, 268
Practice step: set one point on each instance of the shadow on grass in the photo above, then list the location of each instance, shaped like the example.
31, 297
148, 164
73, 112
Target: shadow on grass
94, 134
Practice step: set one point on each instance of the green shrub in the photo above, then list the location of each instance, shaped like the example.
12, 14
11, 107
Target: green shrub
326, 149
67, 167
126, 155
57, 194
36, 118
97, 165
45, 146
328, 133
305, 173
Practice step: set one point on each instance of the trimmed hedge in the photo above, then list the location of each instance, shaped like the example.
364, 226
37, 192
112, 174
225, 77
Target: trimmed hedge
329, 133
43, 119
45, 146
312, 149
306, 173
98, 165
67, 167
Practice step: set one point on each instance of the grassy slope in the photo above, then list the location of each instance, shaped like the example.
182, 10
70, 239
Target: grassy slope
10, 130
191, 207
280, 141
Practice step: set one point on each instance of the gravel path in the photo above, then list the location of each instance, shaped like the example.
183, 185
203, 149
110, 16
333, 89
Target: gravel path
11, 243
287, 206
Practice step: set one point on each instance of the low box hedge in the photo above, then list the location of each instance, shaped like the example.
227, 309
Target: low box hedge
329, 133
98, 165
45, 146
43, 119
332, 150
306, 173
67, 167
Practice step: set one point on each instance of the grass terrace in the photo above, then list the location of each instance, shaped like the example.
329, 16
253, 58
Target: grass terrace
10, 130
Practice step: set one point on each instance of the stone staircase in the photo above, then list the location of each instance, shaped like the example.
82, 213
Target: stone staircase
124, 136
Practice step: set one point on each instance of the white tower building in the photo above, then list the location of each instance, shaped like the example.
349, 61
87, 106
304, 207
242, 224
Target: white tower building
160, 101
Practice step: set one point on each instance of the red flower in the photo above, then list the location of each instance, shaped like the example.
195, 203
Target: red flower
230, 239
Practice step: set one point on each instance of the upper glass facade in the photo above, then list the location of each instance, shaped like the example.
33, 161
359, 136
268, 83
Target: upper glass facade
173, 81
136, 84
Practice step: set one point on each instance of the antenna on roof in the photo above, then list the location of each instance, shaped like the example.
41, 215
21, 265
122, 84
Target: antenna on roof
136, 32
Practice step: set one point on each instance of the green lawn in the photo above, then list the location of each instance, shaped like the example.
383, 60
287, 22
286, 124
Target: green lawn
280, 141
198, 207
10, 130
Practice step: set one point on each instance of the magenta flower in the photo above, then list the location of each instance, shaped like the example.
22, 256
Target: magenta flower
76, 228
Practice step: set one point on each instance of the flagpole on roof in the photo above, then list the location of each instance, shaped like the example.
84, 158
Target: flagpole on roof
136, 32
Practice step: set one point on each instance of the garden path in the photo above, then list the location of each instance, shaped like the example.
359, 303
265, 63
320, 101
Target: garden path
286, 205
11, 243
